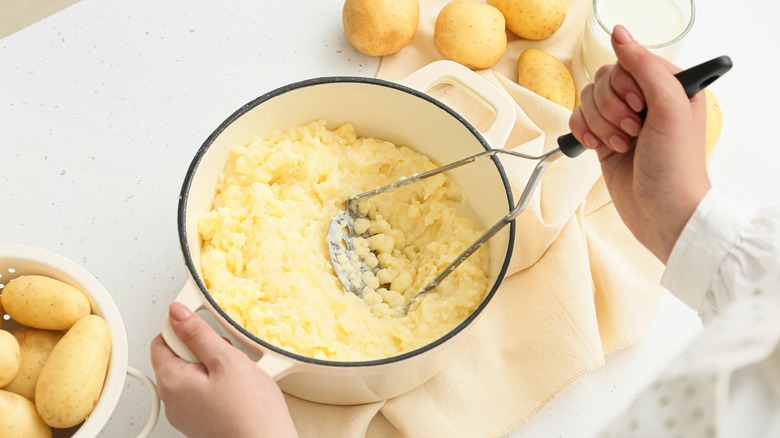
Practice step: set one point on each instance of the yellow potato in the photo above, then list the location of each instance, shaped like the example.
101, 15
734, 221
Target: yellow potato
714, 120
532, 19
1, 311
35, 346
470, 33
9, 357
45, 303
380, 27
19, 418
72, 378
546, 76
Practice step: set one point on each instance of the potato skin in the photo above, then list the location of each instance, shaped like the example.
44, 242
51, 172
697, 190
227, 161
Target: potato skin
10, 357
35, 345
380, 27
44, 303
532, 19
714, 122
72, 378
546, 76
19, 418
470, 33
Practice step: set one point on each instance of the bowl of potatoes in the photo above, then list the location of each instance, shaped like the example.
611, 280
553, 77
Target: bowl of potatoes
63, 348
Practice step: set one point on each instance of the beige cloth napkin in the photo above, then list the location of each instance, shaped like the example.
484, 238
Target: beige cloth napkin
579, 287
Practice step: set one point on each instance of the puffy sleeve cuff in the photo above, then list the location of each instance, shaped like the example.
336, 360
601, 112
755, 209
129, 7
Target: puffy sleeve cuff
708, 237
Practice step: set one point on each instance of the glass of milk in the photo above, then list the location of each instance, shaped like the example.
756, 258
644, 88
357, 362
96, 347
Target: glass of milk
659, 25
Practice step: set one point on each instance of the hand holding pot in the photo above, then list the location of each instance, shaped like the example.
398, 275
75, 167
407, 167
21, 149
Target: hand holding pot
657, 184
226, 394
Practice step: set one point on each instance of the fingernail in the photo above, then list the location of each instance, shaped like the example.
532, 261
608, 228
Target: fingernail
590, 141
179, 311
621, 35
630, 126
618, 143
634, 102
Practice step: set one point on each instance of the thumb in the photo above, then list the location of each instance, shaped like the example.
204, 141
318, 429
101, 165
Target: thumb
653, 74
198, 336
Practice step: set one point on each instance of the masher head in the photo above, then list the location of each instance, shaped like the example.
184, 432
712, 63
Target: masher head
349, 265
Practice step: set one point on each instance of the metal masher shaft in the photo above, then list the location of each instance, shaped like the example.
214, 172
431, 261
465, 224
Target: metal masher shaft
525, 197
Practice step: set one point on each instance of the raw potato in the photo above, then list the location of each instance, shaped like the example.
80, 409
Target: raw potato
35, 346
72, 378
44, 303
546, 76
380, 27
1, 311
714, 120
532, 19
9, 357
470, 33
19, 418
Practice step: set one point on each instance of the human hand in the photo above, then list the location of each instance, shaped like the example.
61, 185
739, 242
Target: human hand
225, 395
655, 170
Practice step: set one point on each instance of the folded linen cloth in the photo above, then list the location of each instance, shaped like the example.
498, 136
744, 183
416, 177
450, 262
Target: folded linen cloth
579, 286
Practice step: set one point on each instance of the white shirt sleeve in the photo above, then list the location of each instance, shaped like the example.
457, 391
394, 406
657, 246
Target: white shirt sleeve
727, 382
724, 250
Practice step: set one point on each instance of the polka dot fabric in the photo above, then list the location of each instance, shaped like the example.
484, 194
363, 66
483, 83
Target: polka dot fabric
696, 397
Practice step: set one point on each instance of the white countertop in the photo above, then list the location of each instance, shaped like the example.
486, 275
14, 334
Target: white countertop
103, 105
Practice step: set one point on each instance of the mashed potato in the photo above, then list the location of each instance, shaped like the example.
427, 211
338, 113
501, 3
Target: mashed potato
265, 256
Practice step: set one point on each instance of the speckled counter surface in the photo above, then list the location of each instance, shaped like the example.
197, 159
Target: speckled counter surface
103, 105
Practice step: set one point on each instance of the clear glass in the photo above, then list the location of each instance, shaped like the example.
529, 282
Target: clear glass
660, 25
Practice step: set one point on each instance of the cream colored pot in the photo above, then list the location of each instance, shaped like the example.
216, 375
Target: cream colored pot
404, 114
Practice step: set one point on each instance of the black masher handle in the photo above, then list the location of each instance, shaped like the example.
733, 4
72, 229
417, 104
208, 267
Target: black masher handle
693, 80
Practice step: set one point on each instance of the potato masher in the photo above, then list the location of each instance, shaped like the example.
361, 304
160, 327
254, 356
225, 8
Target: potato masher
341, 230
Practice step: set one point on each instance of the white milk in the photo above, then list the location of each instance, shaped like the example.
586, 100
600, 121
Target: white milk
651, 22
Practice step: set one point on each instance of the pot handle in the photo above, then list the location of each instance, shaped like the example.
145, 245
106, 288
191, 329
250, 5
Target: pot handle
452, 73
191, 297
276, 367
155, 413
